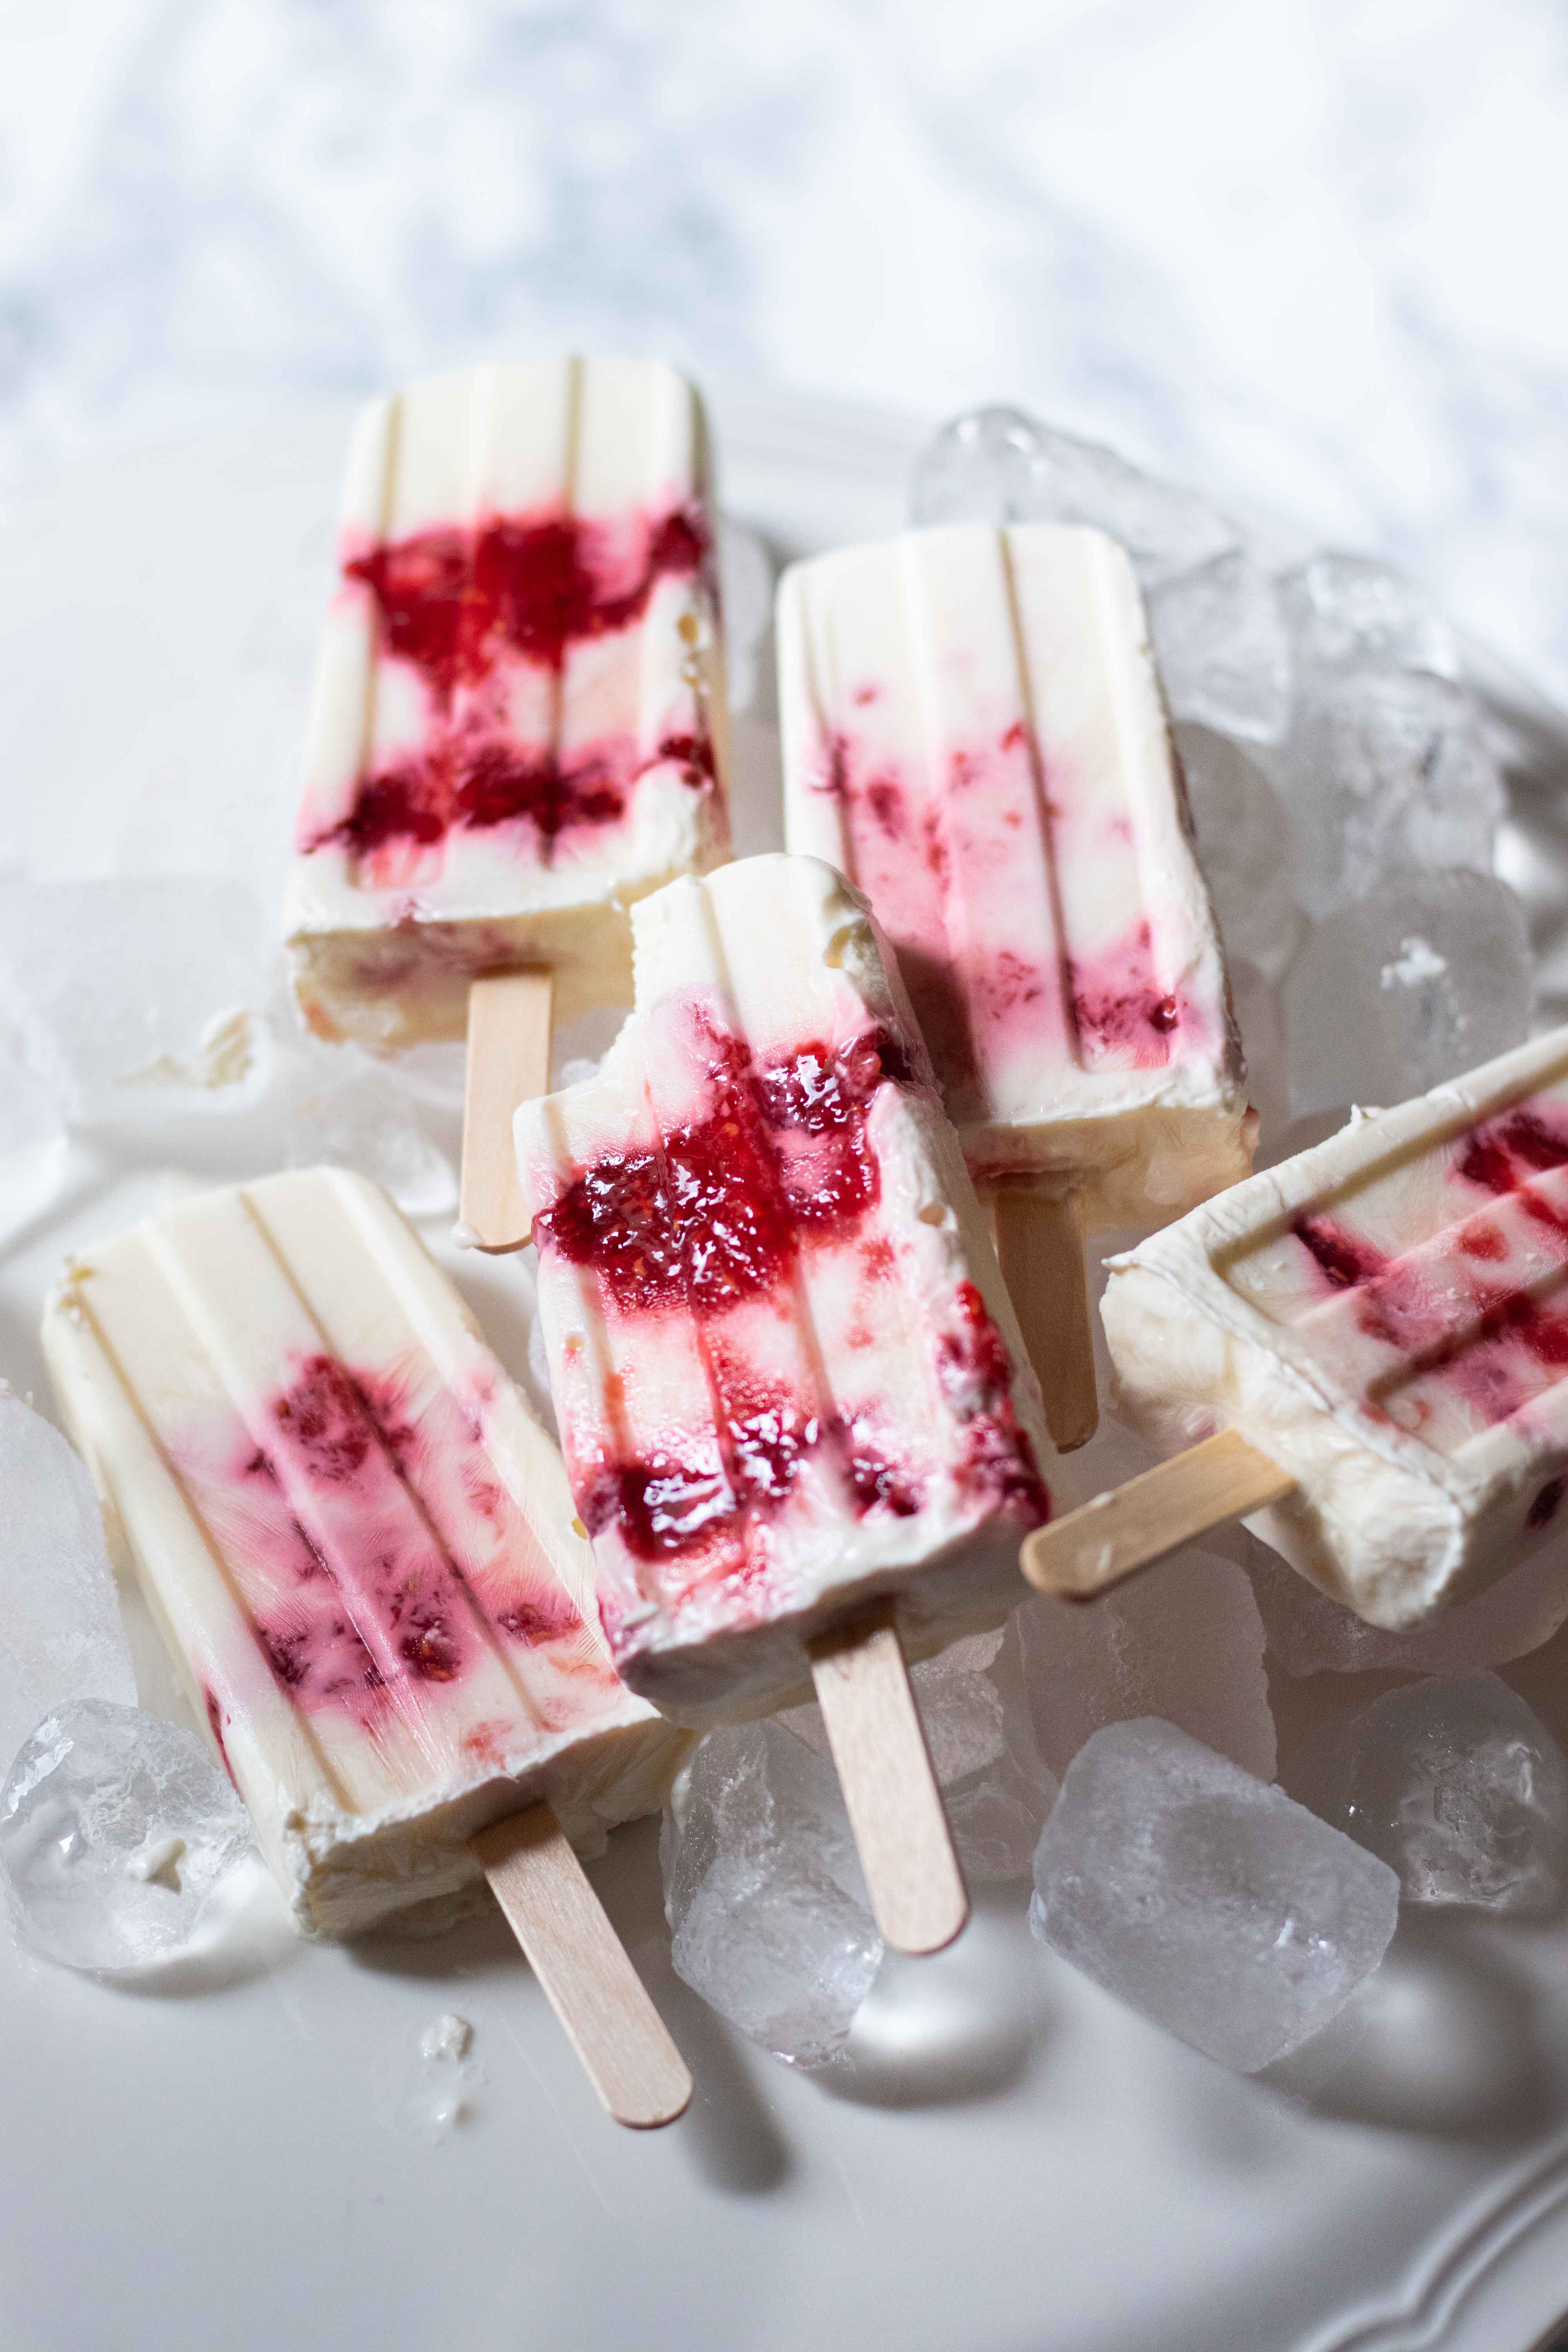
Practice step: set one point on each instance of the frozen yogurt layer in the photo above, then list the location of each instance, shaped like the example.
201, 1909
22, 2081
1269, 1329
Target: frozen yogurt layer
358, 1541
1385, 1318
973, 735
787, 1376
518, 721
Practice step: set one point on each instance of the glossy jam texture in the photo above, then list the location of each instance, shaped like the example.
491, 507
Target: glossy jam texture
723, 1225
720, 1211
380, 1557
466, 609
1440, 1290
950, 864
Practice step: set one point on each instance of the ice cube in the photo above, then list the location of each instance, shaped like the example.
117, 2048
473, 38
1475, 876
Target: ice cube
1312, 1635
1456, 1783
116, 1830
1224, 656
997, 465
1187, 1645
346, 1110
764, 1892
988, 466
1384, 775
1423, 979
1347, 611
60, 1632
960, 1707
1203, 1898
996, 1787
746, 599
128, 993
33, 1145
762, 1887
1244, 848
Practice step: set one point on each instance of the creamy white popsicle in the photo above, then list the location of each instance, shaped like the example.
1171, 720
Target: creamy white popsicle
787, 1376
1385, 1318
518, 722
973, 734
358, 1543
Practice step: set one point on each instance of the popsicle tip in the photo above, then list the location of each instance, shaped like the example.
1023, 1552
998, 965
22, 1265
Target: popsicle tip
1071, 1566
664, 2102
509, 1064
1069, 1434
499, 1245
1132, 1527
917, 1929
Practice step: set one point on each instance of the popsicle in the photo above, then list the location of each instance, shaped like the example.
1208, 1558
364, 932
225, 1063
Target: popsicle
792, 1398
973, 734
359, 1546
518, 722
1370, 1342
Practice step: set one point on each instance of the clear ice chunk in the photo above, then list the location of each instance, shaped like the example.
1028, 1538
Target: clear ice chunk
1205, 1899
1185, 1645
1384, 774
999, 466
61, 1637
1224, 656
762, 1887
1348, 612
1309, 1633
1456, 1783
345, 1110
128, 993
116, 1830
988, 466
1243, 841
995, 1787
1423, 979
764, 1892
33, 1146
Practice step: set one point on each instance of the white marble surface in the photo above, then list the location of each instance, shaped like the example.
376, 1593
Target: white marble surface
1303, 252
222, 2164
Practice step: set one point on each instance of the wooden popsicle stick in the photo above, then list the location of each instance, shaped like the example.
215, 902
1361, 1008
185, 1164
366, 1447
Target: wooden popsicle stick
508, 1063
1133, 1526
578, 1958
1040, 1247
917, 1889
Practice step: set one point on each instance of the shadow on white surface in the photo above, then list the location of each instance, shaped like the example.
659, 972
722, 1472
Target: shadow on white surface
728, 2131
1441, 2039
1124, 2193
957, 2027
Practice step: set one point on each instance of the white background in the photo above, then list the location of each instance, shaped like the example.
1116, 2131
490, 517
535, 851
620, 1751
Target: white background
1305, 253
1305, 256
